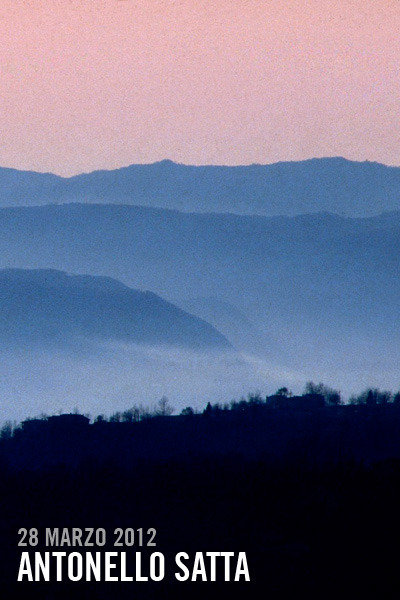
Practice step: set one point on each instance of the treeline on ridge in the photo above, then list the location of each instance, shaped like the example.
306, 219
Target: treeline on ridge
315, 396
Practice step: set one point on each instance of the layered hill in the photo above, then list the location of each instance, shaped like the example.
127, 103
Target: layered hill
49, 306
334, 185
320, 286
306, 297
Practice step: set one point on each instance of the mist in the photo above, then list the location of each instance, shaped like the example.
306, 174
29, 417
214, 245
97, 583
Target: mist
113, 377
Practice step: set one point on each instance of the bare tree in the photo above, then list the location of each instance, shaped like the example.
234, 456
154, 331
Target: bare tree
163, 408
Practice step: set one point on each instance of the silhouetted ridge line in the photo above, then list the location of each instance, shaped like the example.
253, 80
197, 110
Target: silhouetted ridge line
333, 184
45, 304
273, 426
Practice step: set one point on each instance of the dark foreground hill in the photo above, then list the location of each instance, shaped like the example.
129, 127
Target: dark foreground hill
310, 494
287, 188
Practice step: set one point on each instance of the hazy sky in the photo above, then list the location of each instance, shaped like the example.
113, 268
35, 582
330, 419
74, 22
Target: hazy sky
91, 84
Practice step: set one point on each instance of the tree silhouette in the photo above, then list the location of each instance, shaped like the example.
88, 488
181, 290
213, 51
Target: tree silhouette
164, 408
187, 412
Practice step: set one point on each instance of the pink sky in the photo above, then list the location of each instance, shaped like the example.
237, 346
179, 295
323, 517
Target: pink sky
89, 84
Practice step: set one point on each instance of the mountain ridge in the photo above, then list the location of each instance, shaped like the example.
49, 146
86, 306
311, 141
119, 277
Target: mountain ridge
329, 184
49, 304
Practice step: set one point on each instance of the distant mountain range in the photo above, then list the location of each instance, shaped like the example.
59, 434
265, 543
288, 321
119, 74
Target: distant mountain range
48, 306
333, 185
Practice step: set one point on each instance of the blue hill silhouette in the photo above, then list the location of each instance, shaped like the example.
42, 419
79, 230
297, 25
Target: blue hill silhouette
314, 289
335, 185
49, 305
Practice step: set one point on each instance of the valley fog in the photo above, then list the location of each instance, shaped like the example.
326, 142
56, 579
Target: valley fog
114, 377
110, 377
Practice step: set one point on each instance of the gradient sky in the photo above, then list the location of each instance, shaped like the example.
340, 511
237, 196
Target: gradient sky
105, 83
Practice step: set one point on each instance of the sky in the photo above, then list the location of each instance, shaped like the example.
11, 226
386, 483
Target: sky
90, 84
